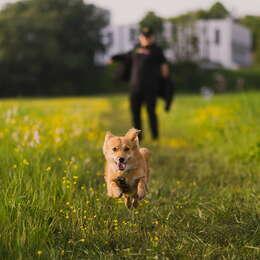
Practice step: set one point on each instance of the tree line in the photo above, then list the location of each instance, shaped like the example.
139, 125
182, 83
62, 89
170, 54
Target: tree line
48, 47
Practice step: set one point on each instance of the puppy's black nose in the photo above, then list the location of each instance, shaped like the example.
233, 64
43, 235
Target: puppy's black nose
121, 159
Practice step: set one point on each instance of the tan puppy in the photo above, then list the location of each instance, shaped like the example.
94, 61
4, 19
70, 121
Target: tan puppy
126, 170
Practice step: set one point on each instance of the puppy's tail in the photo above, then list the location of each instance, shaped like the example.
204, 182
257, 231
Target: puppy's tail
146, 153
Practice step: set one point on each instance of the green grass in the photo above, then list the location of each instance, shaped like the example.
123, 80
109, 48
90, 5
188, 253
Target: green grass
204, 190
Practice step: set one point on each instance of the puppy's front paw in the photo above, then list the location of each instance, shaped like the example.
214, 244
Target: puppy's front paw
116, 192
141, 189
113, 190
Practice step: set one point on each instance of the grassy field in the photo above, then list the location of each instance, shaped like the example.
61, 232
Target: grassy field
204, 190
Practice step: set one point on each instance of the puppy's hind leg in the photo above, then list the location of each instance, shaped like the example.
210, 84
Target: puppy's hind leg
131, 202
128, 201
135, 201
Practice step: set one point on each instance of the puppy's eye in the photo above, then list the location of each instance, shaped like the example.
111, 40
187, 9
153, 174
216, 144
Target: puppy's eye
114, 149
126, 149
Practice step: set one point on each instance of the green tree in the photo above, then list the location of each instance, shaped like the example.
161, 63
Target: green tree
217, 11
152, 21
253, 23
50, 44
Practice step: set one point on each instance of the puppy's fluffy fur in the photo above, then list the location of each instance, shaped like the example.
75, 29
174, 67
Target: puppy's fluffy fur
127, 169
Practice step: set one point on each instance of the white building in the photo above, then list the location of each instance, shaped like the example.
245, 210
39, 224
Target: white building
215, 42
117, 39
224, 42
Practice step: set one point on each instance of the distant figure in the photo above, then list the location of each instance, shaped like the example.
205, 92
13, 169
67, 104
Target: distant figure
240, 84
146, 68
207, 93
220, 83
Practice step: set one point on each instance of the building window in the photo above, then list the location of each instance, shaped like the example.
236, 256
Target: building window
132, 35
217, 36
204, 30
109, 39
195, 43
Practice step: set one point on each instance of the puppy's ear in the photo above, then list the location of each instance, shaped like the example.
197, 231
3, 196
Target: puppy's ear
107, 137
132, 134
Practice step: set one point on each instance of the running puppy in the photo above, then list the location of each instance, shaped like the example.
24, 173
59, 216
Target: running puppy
127, 169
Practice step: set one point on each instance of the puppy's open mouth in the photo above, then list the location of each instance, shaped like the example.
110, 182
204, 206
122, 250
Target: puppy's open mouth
121, 166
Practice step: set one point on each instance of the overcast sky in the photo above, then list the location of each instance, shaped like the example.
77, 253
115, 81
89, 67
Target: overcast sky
130, 11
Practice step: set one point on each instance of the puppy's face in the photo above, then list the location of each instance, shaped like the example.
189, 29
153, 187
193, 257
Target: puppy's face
120, 151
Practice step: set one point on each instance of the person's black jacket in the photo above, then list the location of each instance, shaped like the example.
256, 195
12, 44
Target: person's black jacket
166, 91
124, 66
166, 88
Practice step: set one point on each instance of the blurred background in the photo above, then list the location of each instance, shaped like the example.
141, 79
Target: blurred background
61, 47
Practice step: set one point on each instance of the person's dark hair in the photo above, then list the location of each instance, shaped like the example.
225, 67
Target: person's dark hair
147, 32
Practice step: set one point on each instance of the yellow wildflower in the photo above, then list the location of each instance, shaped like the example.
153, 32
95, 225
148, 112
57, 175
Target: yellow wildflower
25, 162
39, 252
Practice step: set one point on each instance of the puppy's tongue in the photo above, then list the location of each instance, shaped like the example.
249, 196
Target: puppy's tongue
121, 166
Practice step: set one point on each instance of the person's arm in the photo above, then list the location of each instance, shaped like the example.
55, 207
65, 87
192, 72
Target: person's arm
164, 67
165, 70
118, 57
121, 57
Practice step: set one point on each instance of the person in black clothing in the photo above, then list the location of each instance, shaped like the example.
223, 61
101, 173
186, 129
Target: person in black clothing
147, 65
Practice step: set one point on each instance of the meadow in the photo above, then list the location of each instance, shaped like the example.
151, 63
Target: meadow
204, 192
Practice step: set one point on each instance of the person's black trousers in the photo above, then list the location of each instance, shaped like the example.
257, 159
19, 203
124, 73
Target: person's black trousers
137, 99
